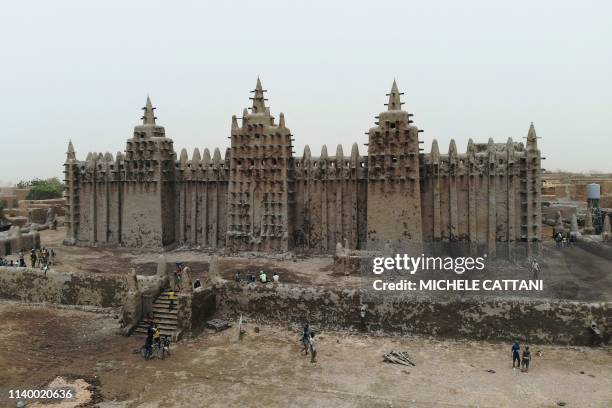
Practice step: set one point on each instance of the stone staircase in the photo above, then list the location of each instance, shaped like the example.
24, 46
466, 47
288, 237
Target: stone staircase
163, 317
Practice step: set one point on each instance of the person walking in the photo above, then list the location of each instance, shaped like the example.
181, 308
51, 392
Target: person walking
313, 348
306, 338
148, 347
157, 336
177, 277
33, 258
535, 268
526, 359
559, 240
171, 297
45, 260
21, 259
516, 355
362, 316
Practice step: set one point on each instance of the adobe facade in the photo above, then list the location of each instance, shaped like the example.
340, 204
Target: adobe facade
259, 196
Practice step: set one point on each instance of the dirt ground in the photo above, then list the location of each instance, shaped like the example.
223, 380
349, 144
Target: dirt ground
316, 271
265, 369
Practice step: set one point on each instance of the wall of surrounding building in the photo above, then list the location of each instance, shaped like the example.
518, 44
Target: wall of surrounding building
572, 187
10, 197
13, 241
31, 285
529, 320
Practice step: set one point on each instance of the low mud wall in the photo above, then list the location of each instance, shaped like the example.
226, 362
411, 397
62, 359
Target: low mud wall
203, 306
596, 247
14, 241
195, 308
132, 293
529, 320
31, 285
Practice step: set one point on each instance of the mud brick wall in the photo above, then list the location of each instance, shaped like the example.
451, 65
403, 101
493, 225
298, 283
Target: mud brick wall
330, 200
489, 194
532, 321
195, 308
38, 215
14, 242
57, 204
350, 262
203, 306
262, 197
599, 248
201, 198
31, 285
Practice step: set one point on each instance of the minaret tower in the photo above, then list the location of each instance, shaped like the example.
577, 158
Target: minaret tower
531, 189
71, 195
260, 192
394, 199
149, 191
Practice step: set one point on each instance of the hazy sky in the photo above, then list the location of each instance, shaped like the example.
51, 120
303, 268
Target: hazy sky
82, 70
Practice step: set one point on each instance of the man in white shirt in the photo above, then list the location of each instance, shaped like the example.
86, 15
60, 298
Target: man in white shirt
313, 348
275, 277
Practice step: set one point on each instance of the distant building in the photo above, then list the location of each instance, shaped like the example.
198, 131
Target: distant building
259, 196
10, 196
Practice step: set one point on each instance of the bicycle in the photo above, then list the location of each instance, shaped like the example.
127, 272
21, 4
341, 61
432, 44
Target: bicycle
147, 352
160, 349
164, 347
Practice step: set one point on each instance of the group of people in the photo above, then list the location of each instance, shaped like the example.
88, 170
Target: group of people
42, 258
520, 362
7, 262
564, 239
39, 258
308, 340
154, 337
178, 276
262, 277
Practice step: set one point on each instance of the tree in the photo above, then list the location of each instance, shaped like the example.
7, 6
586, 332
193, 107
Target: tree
43, 189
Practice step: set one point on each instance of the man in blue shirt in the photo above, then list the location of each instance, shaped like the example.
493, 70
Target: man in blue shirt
516, 354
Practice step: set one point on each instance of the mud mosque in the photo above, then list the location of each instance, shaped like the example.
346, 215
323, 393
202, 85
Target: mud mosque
259, 196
